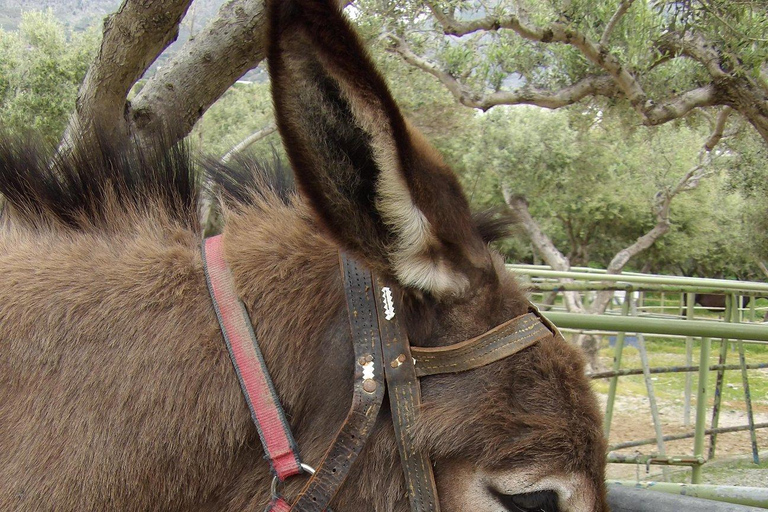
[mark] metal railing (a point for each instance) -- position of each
(674, 316)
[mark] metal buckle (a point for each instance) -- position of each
(276, 481)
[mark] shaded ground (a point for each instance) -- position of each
(732, 465)
(632, 418)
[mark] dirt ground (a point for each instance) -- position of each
(632, 421)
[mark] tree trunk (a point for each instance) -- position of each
(174, 99)
(544, 246)
(133, 38)
(554, 258)
(178, 95)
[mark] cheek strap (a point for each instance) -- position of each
(404, 364)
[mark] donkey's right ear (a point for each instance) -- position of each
(376, 184)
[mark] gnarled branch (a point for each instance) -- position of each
(230, 45)
(133, 37)
(744, 94)
(620, 12)
(553, 33)
(587, 86)
(679, 106)
(718, 130)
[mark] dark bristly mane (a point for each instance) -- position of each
(88, 185)
(245, 179)
(95, 182)
(494, 224)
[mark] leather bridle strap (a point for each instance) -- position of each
(404, 401)
(498, 343)
(404, 365)
(368, 391)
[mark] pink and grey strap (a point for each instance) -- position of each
(267, 413)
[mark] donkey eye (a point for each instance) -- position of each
(539, 501)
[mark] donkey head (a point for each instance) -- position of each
(519, 434)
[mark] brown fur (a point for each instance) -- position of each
(116, 389)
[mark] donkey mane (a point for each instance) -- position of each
(247, 180)
(106, 184)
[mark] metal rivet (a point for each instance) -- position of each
(362, 360)
(368, 358)
(394, 364)
(401, 358)
(369, 385)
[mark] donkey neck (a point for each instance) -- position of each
(287, 274)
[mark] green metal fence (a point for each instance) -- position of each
(672, 315)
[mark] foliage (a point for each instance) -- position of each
(244, 109)
(592, 185)
(41, 68)
(590, 176)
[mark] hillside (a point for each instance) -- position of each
(78, 15)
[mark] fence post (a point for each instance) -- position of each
(618, 349)
(745, 382)
(701, 409)
(649, 388)
(729, 305)
(690, 300)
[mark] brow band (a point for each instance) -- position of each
(500, 342)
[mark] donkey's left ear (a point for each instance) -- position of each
(377, 185)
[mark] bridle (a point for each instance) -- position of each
(379, 343)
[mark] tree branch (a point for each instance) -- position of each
(689, 181)
(719, 130)
(252, 138)
(679, 106)
(725, 89)
(133, 37)
(554, 33)
(180, 93)
(693, 46)
(623, 8)
(587, 86)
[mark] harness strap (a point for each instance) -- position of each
(498, 343)
(368, 391)
(278, 505)
(404, 401)
(259, 391)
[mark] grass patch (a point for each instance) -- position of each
(671, 352)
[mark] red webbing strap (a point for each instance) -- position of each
(267, 413)
(278, 505)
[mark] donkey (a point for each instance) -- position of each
(116, 388)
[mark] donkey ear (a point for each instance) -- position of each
(377, 185)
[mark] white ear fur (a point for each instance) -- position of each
(410, 257)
